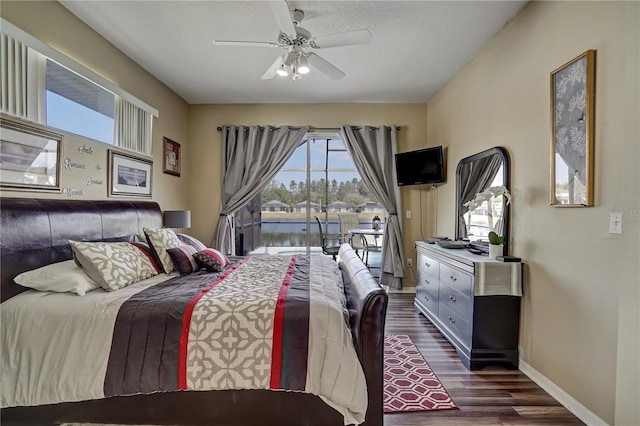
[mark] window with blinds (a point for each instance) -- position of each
(40, 89)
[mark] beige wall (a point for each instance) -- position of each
(206, 141)
(51, 23)
(580, 309)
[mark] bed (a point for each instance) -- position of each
(36, 232)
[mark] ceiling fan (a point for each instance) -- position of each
(298, 43)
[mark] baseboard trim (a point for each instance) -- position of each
(569, 402)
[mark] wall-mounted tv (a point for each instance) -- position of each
(424, 166)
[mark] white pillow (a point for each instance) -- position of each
(62, 277)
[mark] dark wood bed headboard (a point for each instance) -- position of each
(36, 232)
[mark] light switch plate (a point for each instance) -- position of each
(615, 223)
(408, 214)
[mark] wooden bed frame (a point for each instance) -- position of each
(35, 232)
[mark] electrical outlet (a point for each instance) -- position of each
(409, 262)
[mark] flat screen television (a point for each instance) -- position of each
(424, 166)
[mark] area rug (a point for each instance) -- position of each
(409, 382)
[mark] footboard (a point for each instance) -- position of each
(367, 303)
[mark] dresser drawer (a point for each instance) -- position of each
(428, 300)
(457, 323)
(429, 265)
(456, 279)
(456, 300)
(428, 282)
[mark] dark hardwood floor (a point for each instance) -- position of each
(491, 396)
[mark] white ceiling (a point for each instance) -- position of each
(417, 46)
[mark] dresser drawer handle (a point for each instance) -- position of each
(427, 298)
(427, 282)
(452, 321)
(428, 264)
(453, 278)
(453, 299)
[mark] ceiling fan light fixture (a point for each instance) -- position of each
(303, 65)
(289, 59)
(282, 71)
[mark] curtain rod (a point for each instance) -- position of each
(320, 129)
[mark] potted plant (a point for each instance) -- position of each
(496, 245)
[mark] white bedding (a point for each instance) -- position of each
(36, 368)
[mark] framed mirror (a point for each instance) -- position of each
(481, 206)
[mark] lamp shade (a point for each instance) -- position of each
(177, 218)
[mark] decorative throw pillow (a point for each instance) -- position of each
(114, 265)
(207, 262)
(61, 277)
(192, 241)
(160, 241)
(211, 259)
(183, 259)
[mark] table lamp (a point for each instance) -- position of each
(177, 219)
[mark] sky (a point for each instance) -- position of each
(73, 117)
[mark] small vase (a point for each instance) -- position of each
(495, 250)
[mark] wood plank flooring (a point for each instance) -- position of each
(491, 396)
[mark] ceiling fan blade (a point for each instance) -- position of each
(322, 65)
(244, 43)
(341, 39)
(271, 72)
(281, 12)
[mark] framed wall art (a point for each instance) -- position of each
(29, 156)
(171, 157)
(129, 175)
(572, 132)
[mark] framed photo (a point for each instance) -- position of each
(573, 132)
(29, 156)
(171, 157)
(128, 175)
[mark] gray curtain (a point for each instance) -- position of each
(251, 157)
(475, 177)
(373, 151)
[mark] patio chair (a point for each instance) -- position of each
(350, 221)
(330, 242)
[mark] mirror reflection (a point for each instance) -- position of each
(482, 196)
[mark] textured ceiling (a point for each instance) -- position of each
(417, 46)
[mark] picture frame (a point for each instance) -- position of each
(128, 175)
(573, 132)
(171, 157)
(30, 156)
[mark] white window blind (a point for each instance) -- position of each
(132, 127)
(14, 77)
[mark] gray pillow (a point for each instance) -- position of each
(113, 265)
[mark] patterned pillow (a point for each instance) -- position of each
(160, 241)
(212, 259)
(192, 241)
(207, 262)
(183, 259)
(114, 265)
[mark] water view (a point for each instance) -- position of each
(293, 232)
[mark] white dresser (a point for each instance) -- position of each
(473, 301)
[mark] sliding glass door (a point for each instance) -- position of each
(319, 180)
